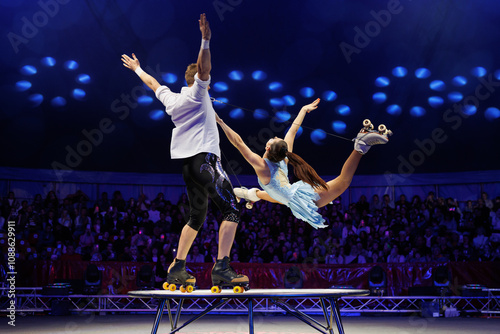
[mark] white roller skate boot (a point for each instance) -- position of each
(368, 137)
(249, 195)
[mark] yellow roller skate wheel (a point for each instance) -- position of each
(190, 288)
(165, 286)
(215, 289)
(237, 289)
(182, 289)
(172, 287)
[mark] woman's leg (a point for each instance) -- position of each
(265, 196)
(338, 185)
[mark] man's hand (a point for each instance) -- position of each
(206, 34)
(128, 62)
(310, 107)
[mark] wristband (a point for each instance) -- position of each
(139, 71)
(205, 44)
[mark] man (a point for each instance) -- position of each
(196, 140)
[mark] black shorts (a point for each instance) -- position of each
(204, 176)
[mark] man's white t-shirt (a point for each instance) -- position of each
(194, 119)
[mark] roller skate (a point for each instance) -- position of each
(367, 136)
(179, 277)
(223, 275)
(249, 195)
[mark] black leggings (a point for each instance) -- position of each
(204, 176)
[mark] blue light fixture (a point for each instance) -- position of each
(144, 100)
(435, 101)
(35, 99)
(437, 85)
(259, 75)
(260, 114)
(422, 73)
(343, 110)
(48, 61)
(478, 72)
(236, 113)
(399, 71)
(83, 78)
(459, 81)
(492, 114)
(282, 116)
(71, 65)
(417, 111)
(469, 109)
(220, 86)
(58, 101)
(497, 74)
(276, 102)
(382, 82)
(23, 85)
(275, 86)
(379, 97)
(329, 95)
(393, 109)
(455, 97)
(289, 100)
(317, 136)
(339, 126)
(28, 70)
(221, 104)
(78, 94)
(169, 78)
(307, 92)
(235, 75)
(157, 114)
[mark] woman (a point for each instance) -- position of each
(306, 196)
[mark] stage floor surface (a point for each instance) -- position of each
(238, 324)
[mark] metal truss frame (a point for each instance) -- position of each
(30, 300)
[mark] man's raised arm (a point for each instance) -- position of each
(134, 65)
(204, 62)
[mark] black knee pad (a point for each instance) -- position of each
(232, 214)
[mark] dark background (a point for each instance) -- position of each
(296, 43)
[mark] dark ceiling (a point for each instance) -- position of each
(326, 46)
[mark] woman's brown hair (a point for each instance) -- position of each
(301, 169)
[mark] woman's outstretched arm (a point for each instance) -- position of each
(290, 135)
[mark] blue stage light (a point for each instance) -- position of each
(459, 81)
(144, 100)
(58, 101)
(437, 85)
(435, 101)
(169, 78)
(497, 74)
(317, 136)
(343, 110)
(492, 113)
(78, 94)
(275, 86)
(48, 61)
(236, 113)
(23, 85)
(289, 100)
(259, 75)
(329, 95)
(307, 92)
(276, 102)
(71, 65)
(235, 75)
(478, 71)
(469, 109)
(221, 104)
(399, 71)
(393, 109)
(379, 97)
(282, 116)
(455, 96)
(422, 73)
(260, 114)
(417, 111)
(339, 126)
(220, 86)
(157, 114)
(28, 70)
(382, 82)
(36, 99)
(83, 78)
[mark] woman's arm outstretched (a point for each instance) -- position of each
(290, 135)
